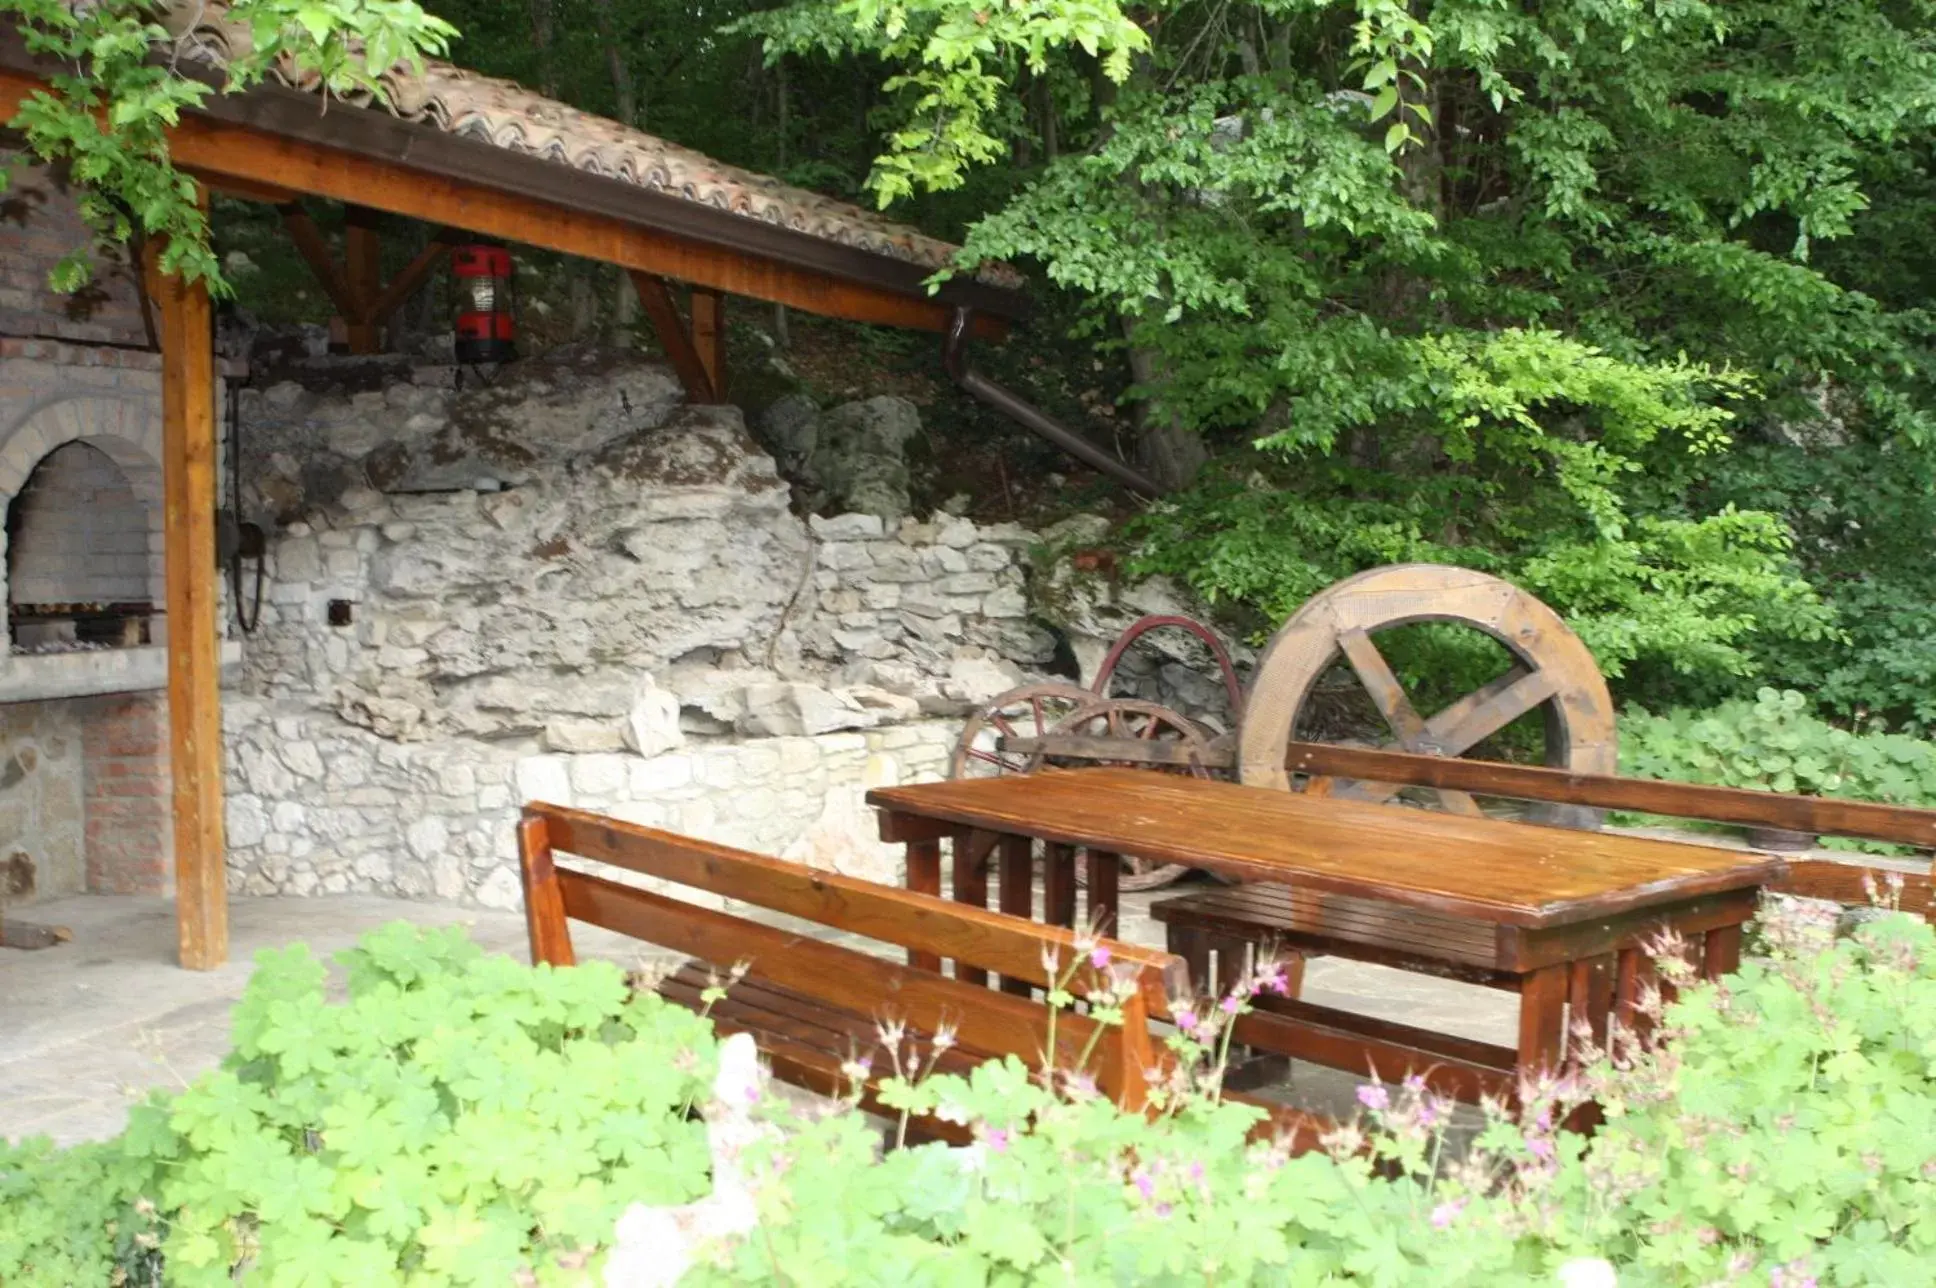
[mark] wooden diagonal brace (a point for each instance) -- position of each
(677, 339)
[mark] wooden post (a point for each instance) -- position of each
(363, 257)
(194, 655)
(709, 337)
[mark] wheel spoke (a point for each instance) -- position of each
(1387, 694)
(1485, 711)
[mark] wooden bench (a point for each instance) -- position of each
(1214, 930)
(815, 1006)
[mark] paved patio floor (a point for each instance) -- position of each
(90, 1025)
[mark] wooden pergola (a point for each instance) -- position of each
(276, 144)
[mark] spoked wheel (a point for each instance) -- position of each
(1131, 720)
(1030, 711)
(1551, 672)
(1220, 655)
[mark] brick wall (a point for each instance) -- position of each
(130, 837)
(77, 533)
(38, 225)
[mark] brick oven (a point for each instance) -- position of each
(84, 778)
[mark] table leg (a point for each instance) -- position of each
(1059, 884)
(1721, 953)
(1105, 870)
(1542, 1020)
(970, 880)
(1589, 1003)
(924, 877)
(1017, 891)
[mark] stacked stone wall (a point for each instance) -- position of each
(42, 794)
(569, 588)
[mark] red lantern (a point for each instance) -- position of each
(485, 327)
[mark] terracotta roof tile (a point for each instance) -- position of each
(506, 115)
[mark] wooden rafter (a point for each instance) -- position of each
(362, 300)
(675, 337)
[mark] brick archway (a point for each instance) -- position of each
(126, 430)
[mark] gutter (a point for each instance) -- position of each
(954, 357)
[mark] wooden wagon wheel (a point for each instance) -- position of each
(1132, 719)
(1553, 672)
(1233, 688)
(1029, 711)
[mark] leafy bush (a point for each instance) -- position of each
(459, 1117)
(1783, 1135)
(1776, 743)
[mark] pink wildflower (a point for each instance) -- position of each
(1446, 1213)
(1374, 1097)
(998, 1139)
(1099, 956)
(1231, 1004)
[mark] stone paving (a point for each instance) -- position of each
(89, 1026)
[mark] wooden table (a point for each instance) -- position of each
(1557, 915)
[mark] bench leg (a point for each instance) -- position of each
(924, 877)
(1017, 892)
(1059, 885)
(1193, 946)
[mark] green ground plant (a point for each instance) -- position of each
(464, 1119)
(1777, 743)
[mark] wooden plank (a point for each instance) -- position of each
(1721, 951)
(363, 266)
(1360, 1044)
(1522, 948)
(1824, 816)
(246, 189)
(874, 987)
(544, 905)
(1858, 884)
(968, 877)
(709, 337)
(940, 926)
(314, 248)
(1388, 695)
(1017, 896)
(1511, 873)
(227, 150)
(674, 337)
(1059, 884)
(194, 659)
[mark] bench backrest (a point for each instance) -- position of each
(1815, 815)
(984, 1019)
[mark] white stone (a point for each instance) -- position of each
(501, 890)
(659, 774)
(790, 709)
(302, 759)
(652, 726)
(598, 775)
(977, 679)
(846, 527)
(246, 824)
(544, 778)
(427, 837)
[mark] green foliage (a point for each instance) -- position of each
(460, 1118)
(76, 1216)
(1786, 1133)
(122, 88)
(1777, 743)
(463, 1119)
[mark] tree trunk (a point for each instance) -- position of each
(1168, 450)
(783, 119)
(625, 303)
(541, 40)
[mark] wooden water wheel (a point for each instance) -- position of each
(1029, 711)
(1132, 719)
(1552, 672)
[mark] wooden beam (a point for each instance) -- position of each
(314, 248)
(674, 337)
(194, 661)
(407, 281)
(363, 260)
(250, 190)
(222, 150)
(709, 337)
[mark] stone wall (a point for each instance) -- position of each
(42, 789)
(567, 586)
